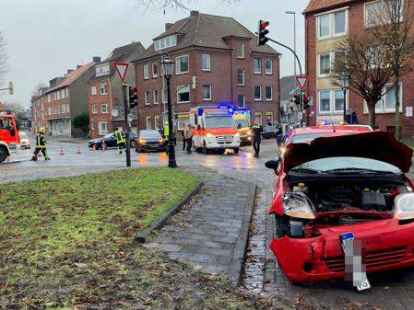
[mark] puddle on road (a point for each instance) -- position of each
(253, 277)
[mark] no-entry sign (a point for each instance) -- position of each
(122, 69)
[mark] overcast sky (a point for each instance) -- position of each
(47, 37)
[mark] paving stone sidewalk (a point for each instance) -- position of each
(207, 232)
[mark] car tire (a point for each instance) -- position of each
(236, 150)
(204, 149)
(3, 154)
(221, 151)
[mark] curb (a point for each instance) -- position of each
(240, 248)
(142, 236)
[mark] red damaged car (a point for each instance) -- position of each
(334, 187)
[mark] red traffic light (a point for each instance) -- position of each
(263, 25)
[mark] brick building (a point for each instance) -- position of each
(65, 98)
(327, 22)
(216, 60)
(106, 108)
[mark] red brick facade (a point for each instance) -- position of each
(356, 24)
(100, 107)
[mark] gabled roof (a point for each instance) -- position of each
(204, 30)
(322, 5)
(71, 77)
(132, 50)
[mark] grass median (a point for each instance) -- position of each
(68, 243)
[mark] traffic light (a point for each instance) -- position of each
(306, 104)
(297, 99)
(11, 88)
(133, 97)
(263, 31)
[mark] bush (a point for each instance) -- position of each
(81, 122)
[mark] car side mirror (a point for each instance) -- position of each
(272, 164)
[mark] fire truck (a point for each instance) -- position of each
(9, 134)
(214, 129)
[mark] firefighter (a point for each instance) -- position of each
(257, 138)
(120, 140)
(40, 145)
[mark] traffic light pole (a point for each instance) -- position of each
(127, 127)
(292, 51)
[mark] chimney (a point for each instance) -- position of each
(168, 26)
(194, 13)
(96, 59)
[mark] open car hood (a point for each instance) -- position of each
(380, 146)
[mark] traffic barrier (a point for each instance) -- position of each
(61, 152)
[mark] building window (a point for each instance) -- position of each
(103, 128)
(387, 103)
(268, 93)
(94, 109)
(94, 91)
(268, 66)
(148, 124)
(241, 100)
(103, 91)
(332, 24)
(146, 72)
(257, 68)
(58, 95)
(147, 96)
(104, 108)
(325, 101)
(154, 70)
(324, 64)
(205, 62)
(67, 92)
(155, 97)
(242, 51)
(183, 94)
(166, 42)
(206, 92)
(181, 63)
(339, 101)
(258, 117)
(241, 77)
(257, 93)
(372, 11)
(49, 98)
(157, 122)
(62, 109)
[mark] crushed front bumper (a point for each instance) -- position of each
(386, 245)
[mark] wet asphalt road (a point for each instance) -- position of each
(393, 290)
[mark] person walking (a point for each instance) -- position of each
(257, 138)
(184, 140)
(40, 145)
(120, 140)
(188, 137)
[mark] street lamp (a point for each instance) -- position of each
(168, 67)
(294, 37)
(344, 79)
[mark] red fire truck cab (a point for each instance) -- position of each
(214, 129)
(9, 134)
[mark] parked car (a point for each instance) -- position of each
(24, 141)
(150, 140)
(110, 141)
(343, 187)
(270, 131)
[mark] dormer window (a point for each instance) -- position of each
(166, 42)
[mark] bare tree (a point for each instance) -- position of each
(394, 29)
(180, 4)
(362, 59)
(3, 58)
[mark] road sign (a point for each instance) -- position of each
(122, 69)
(301, 81)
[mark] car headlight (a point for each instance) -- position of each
(404, 206)
(161, 140)
(237, 134)
(142, 141)
(210, 135)
(298, 205)
(282, 151)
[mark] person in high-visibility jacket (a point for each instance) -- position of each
(40, 145)
(120, 140)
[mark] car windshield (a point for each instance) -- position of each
(150, 134)
(241, 123)
(108, 136)
(219, 122)
(347, 164)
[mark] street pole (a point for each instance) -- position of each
(127, 127)
(344, 90)
(171, 150)
(293, 13)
